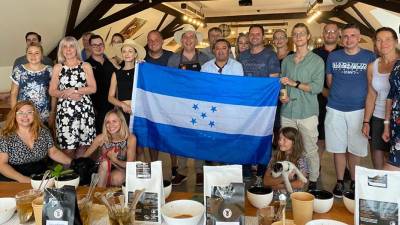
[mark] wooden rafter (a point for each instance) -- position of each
(241, 18)
(162, 21)
(123, 13)
(73, 13)
(82, 27)
(343, 15)
(359, 14)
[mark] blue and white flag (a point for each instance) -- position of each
(204, 116)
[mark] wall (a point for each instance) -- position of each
(5, 72)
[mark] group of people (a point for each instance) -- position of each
(335, 97)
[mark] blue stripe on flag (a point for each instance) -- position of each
(205, 145)
(237, 90)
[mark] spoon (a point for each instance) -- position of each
(45, 175)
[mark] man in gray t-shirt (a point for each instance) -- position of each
(259, 61)
(32, 37)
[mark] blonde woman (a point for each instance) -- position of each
(71, 83)
(117, 146)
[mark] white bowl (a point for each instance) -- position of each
(7, 209)
(46, 183)
(323, 200)
(260, 197)
(325, 222)
(167, 188)
(348, 200)
(182, 207)
(73, 182)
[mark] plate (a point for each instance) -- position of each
(325, 222)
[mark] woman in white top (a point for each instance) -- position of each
(378, 89)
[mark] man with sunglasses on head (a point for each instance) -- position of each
(103, 69)
(222, 63)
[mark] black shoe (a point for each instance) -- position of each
(338, 190)
(312, 185)
(179, 179)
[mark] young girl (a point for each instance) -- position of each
(290, 148)
(117, 147)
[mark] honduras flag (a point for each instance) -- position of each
(204, 116)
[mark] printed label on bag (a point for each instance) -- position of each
(147, 207)
(377, 212)
(378, 181)
(56, 222)
(143, 171)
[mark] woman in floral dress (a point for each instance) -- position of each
(72, 82)
(31, 82)
(392, 120)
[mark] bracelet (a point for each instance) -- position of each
(365, 122)
(297, 84)
(386, 122)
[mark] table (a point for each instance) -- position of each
(338, 211)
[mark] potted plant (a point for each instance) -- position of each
(64, 177)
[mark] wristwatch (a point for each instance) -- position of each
(297, 84)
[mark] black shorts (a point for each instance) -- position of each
(376, 131)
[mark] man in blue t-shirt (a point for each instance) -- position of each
(346, 71)
(258, 61)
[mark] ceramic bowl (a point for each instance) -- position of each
(323, 200)
(37, 179)
(323, 222)
(260, 197)
(182, 212)
(167, 188)
(348, 200)
(70, 179)
(7, 209)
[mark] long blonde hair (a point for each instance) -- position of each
(64, 42)
(123, 131)
(11, 125)
(298, 148)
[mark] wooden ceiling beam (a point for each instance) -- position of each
(123, 13)
(391, 5)
(359, 14)
(138, 1)
(262, 24)
(99, 11)
(343, 15)
(242, 18)
(162, 21)
(73, 13)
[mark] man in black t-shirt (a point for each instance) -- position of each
(102, 70)
(155, 53)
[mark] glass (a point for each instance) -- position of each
(84, 206)
(20, 113)
(266, 215)
(330, 31)
(118, 214)
(300, 34)
(24, 204)
(97, 45)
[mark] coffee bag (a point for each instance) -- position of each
(147, 176)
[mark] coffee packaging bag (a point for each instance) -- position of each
(377, 197)
(224, 195)
(147, 176)
(60, 207)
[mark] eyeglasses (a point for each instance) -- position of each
(300, 34)
(97, 45)
(280, 38)
(27, 113)
(330, 31)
